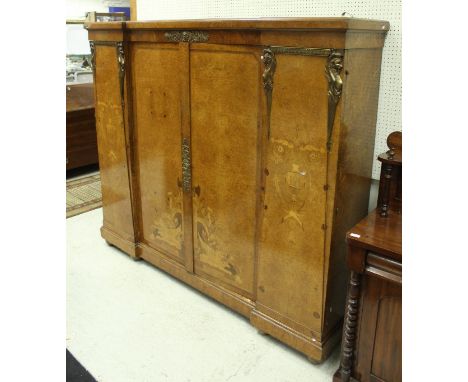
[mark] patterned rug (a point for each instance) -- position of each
(83, 195)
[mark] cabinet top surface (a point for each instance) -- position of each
(303, 23)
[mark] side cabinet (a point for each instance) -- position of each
(236, 154)
(292, 237)
(113, 146)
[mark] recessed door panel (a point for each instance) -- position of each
(157, 117)
(291, 256)
(225, 118)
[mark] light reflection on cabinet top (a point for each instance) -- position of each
(303, 23)
(319, 32)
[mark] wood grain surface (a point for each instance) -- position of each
(244, 172)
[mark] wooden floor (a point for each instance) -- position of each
(83, 194)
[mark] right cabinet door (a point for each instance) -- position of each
(291, 256)
(225, 97)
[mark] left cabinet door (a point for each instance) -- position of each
(112, 142)
(158, 76)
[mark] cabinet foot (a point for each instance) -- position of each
(314, 349)
(313, 361)
(116, 240)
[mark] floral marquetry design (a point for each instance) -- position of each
(167, 226)
(208, 247)
(292, 179)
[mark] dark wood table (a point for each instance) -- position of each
(371, 345)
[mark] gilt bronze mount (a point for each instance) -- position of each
(187, 36)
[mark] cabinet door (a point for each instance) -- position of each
(111, 136)
(225, 94)
(379, 332)
(291, 256)
(157, 80)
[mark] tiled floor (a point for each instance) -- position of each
(129, 322)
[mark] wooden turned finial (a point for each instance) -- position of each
(394, 144)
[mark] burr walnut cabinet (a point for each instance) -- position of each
(235, 154)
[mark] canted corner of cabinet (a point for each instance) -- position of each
(105, 32)
(315, 350)
(111, 25)
(129, 247)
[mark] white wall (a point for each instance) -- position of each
(389, 116)
(77, 37)
(76, 9)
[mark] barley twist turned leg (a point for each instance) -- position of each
(350, 323)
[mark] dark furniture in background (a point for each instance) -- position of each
(390, 176)
(81, 126)
(371, 346)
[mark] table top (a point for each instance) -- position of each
(381, 235)
(80, 96)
